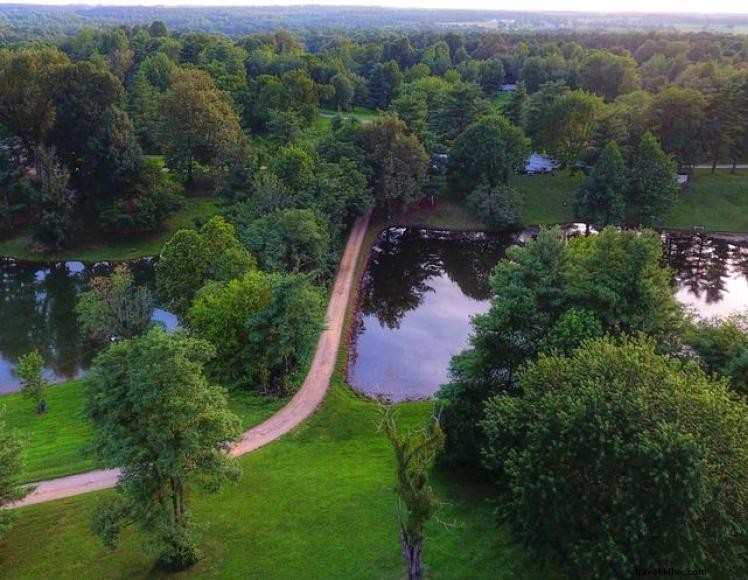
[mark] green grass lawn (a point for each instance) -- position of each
(717, 202)
(363, 114)
(115, 247)
(318, 503)
(547, 199)
(55, 441)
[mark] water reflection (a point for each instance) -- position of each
(711, 271)
(37, 310)
(422, 287)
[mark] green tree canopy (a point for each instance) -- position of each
(192, 258)
(618, 458)
(600, 200)
(488, 152)
(156, 417)
(653, 189)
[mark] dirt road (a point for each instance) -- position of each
(303, 404)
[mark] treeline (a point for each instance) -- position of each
(88, 116)
(19, 21)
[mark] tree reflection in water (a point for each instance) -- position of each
(37, 311)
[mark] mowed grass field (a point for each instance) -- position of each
(115, 248)
(716, 202)
(56, 441)
(317, 503)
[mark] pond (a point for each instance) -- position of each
(422, 286)
(37, 310)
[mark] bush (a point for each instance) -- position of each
(499, 206)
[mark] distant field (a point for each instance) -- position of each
(124, 247)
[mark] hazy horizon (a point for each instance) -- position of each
(724, 7)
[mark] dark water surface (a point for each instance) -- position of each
(37, 310)
(422, 287)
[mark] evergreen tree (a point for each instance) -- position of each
(600, 200)
(653, 189)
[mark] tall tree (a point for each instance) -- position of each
(157, 418)
(489, 151)
(397, 160)
(653, 189)
(11, 464)
(27, 82)
(677, 118)
(54, 226)
(573, 117)
(198, 123)
(416, 502)
(600, 200)
(608, 75)
(384, 83)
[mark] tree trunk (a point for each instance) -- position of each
(714, 166)
(412, 554)
(734, 165)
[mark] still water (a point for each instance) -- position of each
(422, 287)
(37, 310)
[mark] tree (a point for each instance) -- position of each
(677, 117)
(114, 308)
(528, 296)
(27, 80)
(192, 258)
(30, 370)
(157, 418)
(262, 325)
(344, 91)
(11, 464)
(488, 152)
(416, 502)
(532, 289)
(653, 189)
(499, 206)
(54, 225)
(573, 117)
(491, 76)
(455, 110)
(600, 200)
(618, 458)
(198, 123)
(608, 75)
(397, 162)
(721, 347)
(516, 110)
(86, 97)
(291, 241)
(384, 83)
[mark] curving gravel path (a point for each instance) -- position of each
(303, 403)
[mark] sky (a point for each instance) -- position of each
(698, 6)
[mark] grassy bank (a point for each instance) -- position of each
(85, 248)
(716, 202)
(55, 441)
(315, 504)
